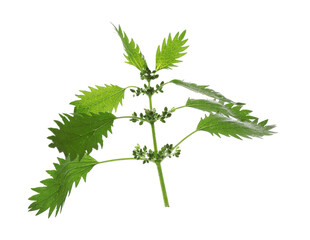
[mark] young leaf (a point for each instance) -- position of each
(134, 55)
(81, 133)
(229, 110)
(218, 124)
(100, 99)
(53, 195)
(170, 51)
(203, 89)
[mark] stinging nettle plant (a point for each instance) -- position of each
(81, 132)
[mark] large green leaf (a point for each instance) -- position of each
(81, 133)
(134, 55)
(219, 124)
(100, 99)
(171, 50)
(53, 195)
(229, 109)
(203, 89)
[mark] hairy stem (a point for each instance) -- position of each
(160, 173)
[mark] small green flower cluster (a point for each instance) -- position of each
(147, 74)
(143, 154)
(149, 155)
(152, 116)
(168, 151)
(149, 91)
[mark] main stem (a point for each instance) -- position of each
(160, 172)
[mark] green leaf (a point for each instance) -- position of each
(203, 89)
(229, 109)
(80, 133)
(134, 55)
(218, 124)
(170, 51)
(100, 99)
(53, 195)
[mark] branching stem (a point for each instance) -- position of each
(160, 173)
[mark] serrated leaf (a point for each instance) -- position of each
(203, 89)
(221, 125)
(81, 133)
(229, 109)
(53, 194)
(134, 56)
(171, 50)
(99, 99)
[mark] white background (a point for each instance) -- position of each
(255, 52)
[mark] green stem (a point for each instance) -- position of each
(162, 184)
(117, 159)
(131, 117)
(160, 172)
(179, 107)
(131, 87)
(150, 97)
(184, 139)
(154, 139)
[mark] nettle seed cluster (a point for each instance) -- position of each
(151, 116)
(149, 156)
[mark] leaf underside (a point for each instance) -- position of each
(80, 133)
(203, 89)
(55, 190)
(229, 109)
(171, 50)
(134, 56)
(221, 125)
(99, 99)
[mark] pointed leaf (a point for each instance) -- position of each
(171, 50)
(203, 89)
(229, 110)
(134, 56)
(81, 133)
(218, 124)
(53, 195)
(100, 99)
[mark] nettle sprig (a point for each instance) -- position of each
(79, 133)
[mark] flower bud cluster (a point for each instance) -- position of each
(149, 155)
(149, 91)
(152, 116)
(147, 74)
(168, 151)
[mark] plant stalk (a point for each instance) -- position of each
(184, 139)
(160, 172)
(162, 184)
(117, 159)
